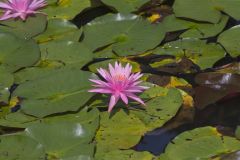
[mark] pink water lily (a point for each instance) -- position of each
(21, 8)
(120, 82)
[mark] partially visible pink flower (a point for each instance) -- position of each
(21, 8)
(120, 83)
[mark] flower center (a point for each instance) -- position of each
(120, 77)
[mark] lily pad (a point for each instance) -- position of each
(59, 29)
(124, 32)
(17, 120)
(111, 137)
(17, 53)
(194, 29)
(77, 132)
(66, 9)
(32, 73)
(160, 109)
(63, 90)
(77, 54)
(205, 10)
(230, 39)
(113, 130)
(5, 83)
(125, 6)
(202, 54)
(104, 64)
(124, 154)
(24, 148)
(33, 26)
(201, 143)
(201, 10)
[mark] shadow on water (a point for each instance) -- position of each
(157, 140)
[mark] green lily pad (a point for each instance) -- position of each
(17, 53)
(230, 39)
(123, 128)
(228, 7)
(66, 9)
(74, 140)
(63, 90)
(202, 54)
(104, 64)
(124, 32)
(69, 53)
(203, 30)
(125, 6)
(109, 137)
(201, 10)
(205, 10)
(6, 82)
(160, 109)
(59, 29)
(33, 26)
(17, 120)
(24, 148)
(32, 73)
(78, 130)
(124, 154)
(194, 29)
(200, 143)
